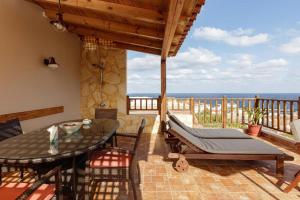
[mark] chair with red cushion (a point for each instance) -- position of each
(112, 164)
(36, 191)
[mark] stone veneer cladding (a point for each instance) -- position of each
(114, 89)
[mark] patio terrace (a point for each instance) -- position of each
(205, 179)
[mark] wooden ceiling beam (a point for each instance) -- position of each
(174, 13)
(107, 25)
(137, 48)
(135, 3)
(123, 38)
(114, 8)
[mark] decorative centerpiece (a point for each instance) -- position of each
(255, 116)
(70, 127)
(53, 139)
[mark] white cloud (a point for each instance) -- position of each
(197, 67)
(198, 56)
(238, 37)
(241, 60)
(274, 63)
(292, 47)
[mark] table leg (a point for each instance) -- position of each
(115, 135)
(74, 178)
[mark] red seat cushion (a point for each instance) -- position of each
(10, 191)
(107, 159)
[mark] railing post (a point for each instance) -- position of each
(224, 112)
(192, 108)
(256, 101)
(298, 108)
(128, 104)
(159, 104)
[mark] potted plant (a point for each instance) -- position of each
(254, 116)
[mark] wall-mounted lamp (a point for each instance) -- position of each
(51, 63)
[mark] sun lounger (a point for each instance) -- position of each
(185, 145)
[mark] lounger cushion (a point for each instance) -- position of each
(218, 133)
(212, 133)
(295, 128)
(226, 146)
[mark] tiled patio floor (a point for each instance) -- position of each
(205, 180)
(211, 179)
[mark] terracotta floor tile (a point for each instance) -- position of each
(205, 179)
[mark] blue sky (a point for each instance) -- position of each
(234, 46)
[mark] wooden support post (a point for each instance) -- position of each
(278, 114)
(284, 116)
(163, 100)
(224, 112)
(272, 113)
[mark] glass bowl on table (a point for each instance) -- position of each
(70, 127)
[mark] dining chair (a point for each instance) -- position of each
(103, 113)
(39, 190)
(113, 164)
(8, 129)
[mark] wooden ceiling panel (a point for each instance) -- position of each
(138, 48)
(117, 9)
(140, 25)
(107, 25)
(116, 37)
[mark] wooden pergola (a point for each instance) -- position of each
(150, 26)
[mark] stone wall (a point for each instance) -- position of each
(114, 88)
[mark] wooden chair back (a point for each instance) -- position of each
(106, 113)
(10, 129)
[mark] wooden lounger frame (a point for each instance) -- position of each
(182, 149)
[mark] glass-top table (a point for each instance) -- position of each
(34, 147)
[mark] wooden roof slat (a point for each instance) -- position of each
(138, 48)
(107, 25)
(135, 3)
(117, 37)
(196, 9)
(174, 12)
(118, 9)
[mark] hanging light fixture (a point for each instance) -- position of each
(51, 63)
(58, 23)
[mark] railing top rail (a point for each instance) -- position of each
(143, 97)
(179, 98)
(241, 98)
(271, 99)
(205, 98)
